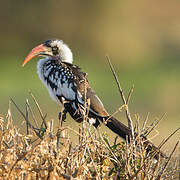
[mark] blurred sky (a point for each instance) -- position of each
(141, 37)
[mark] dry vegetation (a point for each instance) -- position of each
(47, 152)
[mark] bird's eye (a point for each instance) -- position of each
(55, 50)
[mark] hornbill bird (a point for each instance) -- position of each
(69, 86)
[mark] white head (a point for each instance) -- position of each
(55, 49)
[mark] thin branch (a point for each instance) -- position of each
(27, 115)
(58, 138)
(36, 130)
(106, 143)
(31, 111)
(130, 124)
(164, 141)
(18, 108)
(153, 125)
(51, 127)
(161, 172)
(130, 93)
(145, 122)
(117, 81)
(39, 109)
(44, 122)
(30, 125)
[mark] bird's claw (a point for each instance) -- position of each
(63, 116)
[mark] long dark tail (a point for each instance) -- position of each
(119, 128)
(124, 132)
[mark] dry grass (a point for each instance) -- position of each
(46, 152)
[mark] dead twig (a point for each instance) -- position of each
(153, 125)
(165, 140)
(145, 122)
(130, 93)
(161, 172)
(36, 130)
(18, 109)
(32, 113)
(130, 124)
(39, 109)
(27, 115)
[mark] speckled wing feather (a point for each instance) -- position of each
(83, 87)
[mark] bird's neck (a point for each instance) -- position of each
(48, 60)
(48, 63)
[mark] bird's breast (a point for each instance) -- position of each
(58, 79)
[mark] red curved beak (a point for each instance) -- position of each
(34, 53)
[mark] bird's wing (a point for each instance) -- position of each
(83, 87)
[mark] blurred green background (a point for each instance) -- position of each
(142, 39)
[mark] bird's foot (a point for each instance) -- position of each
(62, 116)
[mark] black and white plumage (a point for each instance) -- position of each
(67, 84)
